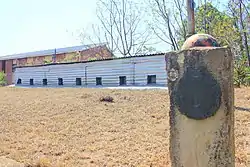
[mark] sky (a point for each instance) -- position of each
(33, 25)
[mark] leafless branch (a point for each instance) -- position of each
(121, 22)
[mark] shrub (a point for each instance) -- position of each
(3, 80)
(241, 72)
(107, 99)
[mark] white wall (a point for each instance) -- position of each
(109, 70)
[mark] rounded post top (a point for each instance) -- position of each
(200, 40)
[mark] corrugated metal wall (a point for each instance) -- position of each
(136, 70)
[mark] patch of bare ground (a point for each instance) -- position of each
(76, 127)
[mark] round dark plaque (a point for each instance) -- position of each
(198, 94)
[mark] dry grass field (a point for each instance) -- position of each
(71, 127)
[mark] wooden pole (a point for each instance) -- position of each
(200, 82)
(190, 17)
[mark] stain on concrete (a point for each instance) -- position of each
(198, 94)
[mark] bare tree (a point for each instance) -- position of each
(243, 26)
(121, 27)
(93, 37)
(169, 21)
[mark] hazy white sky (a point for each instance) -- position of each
(32, 25)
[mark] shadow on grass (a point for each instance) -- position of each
(242, 108)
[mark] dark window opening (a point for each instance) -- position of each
(19, 81)
(45, 81)
(3, 65)
(60, 81)
(31, 81)
(151, 79)
(122, 80)
(98, 80)
(78, 81)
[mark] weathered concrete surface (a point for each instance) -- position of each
(6, 162)
(202, 134)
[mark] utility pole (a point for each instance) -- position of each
(201, 93)
(190, 18)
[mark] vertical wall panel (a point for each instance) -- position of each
(1, 63)
(8, 71)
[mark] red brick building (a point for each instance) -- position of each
(60, 55)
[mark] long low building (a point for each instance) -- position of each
(9, 63)
(136, 70)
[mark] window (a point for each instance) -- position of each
(151, 79)
(45, 81)
(60, 81)
(98, 80)
(19, 81)
(78, 81)
(31, 81)
(3, 65)
(122, 80)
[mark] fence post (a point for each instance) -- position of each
(200, 82)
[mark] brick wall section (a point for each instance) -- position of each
(60, 57)
(100, 52)
(0, 65)
(8, 69)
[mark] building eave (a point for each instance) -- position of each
(50, 52)
(97, 60)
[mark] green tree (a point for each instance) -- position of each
(218, 24)
(208, 19)
(241, 71)
(3, 80)
(239, 11)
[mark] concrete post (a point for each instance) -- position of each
(200, 82)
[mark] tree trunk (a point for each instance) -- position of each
(244, 33)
